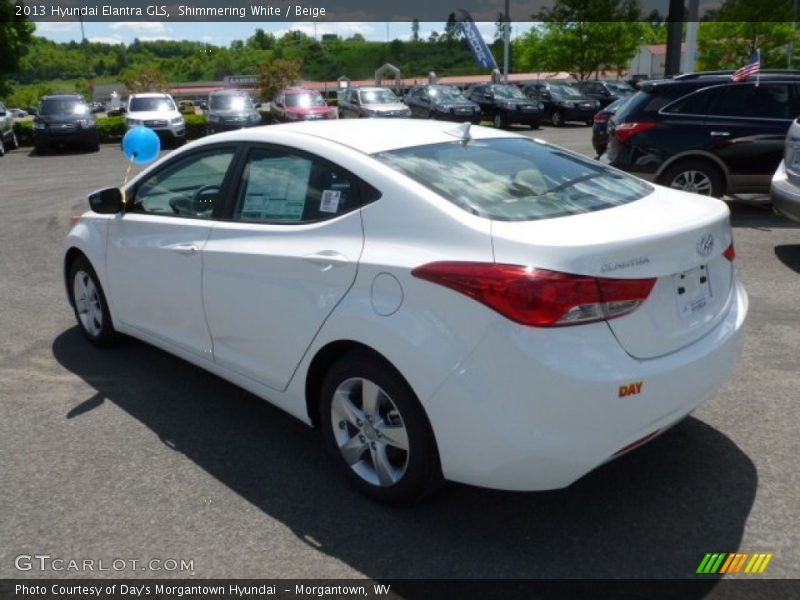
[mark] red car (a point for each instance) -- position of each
(298, 104)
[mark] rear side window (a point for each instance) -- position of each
(647, 104)
(767, 101)
(694, 104)
(514, 179)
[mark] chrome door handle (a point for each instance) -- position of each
(186, 249)
(720, 134)
(327, 259)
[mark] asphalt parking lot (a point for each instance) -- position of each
(131, 453)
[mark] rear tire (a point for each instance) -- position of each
(500, 121)
(14, 144)
(697, 176)
(89, 304)
(377, 430)
(2, 146)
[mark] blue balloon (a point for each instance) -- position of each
(141, 145)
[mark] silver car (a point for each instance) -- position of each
(785, 189)
(364, 102)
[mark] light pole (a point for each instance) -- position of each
(507, 42)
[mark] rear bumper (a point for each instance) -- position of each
(551, 409)
(526, 118)
(785, 195)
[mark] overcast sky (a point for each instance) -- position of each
(222, 33)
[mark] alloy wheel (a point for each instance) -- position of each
(369, 432)
(693, 181)
(87, 303)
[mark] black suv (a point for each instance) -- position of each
(562, 101)
(604, 91)
(442, 102)
(705, 133)
(505, 104)
(64, 119)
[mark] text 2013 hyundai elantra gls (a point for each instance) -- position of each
(443, 302)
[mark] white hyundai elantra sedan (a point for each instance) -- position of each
(442, 302)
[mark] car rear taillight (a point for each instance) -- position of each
(601, 117)
(730, 253)
(539, 297)
(625, 131)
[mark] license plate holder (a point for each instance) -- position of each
(693, 291)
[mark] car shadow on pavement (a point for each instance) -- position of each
(651, 514)
(758, 215)
(789, 255)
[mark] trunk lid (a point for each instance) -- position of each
(673, 236)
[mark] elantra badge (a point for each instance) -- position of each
(705, 245)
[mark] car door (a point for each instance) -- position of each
(153, 258)
(747, 128)
(276, 269)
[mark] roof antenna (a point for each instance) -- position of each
(461, 132)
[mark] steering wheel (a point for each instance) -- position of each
(203, 206)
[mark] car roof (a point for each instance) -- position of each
(63, 97)
(359, 134)
(373, 88)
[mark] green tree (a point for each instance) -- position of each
(583, 36)
(452, 30)
(738, 27)
(15, 33)
(274, 75)
(145, 78)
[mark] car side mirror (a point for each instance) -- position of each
(106, 202)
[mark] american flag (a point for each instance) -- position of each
(751, 68)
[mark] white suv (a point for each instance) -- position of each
(159, 113)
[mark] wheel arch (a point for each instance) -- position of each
(697, 154)
(322, 362)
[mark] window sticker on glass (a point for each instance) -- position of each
(330, 201)
(277, 187)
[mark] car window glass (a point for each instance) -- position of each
(693, 104)
(768, 100)
(280, 187)
(515, 179)
(190, 187)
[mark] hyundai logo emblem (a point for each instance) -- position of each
(705, 245)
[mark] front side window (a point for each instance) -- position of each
(512, 179)
(282, 187)
(508, 91)
(190, 187)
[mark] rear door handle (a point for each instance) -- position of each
(327, 259)
(720, 134)
(186, 249)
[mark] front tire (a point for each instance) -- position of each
(376, 428)
(14, 144)
(557, 119)
(89, 304)
(500, 121)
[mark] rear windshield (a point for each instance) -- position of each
(57, 106)
(152, 104)
(513, 179)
